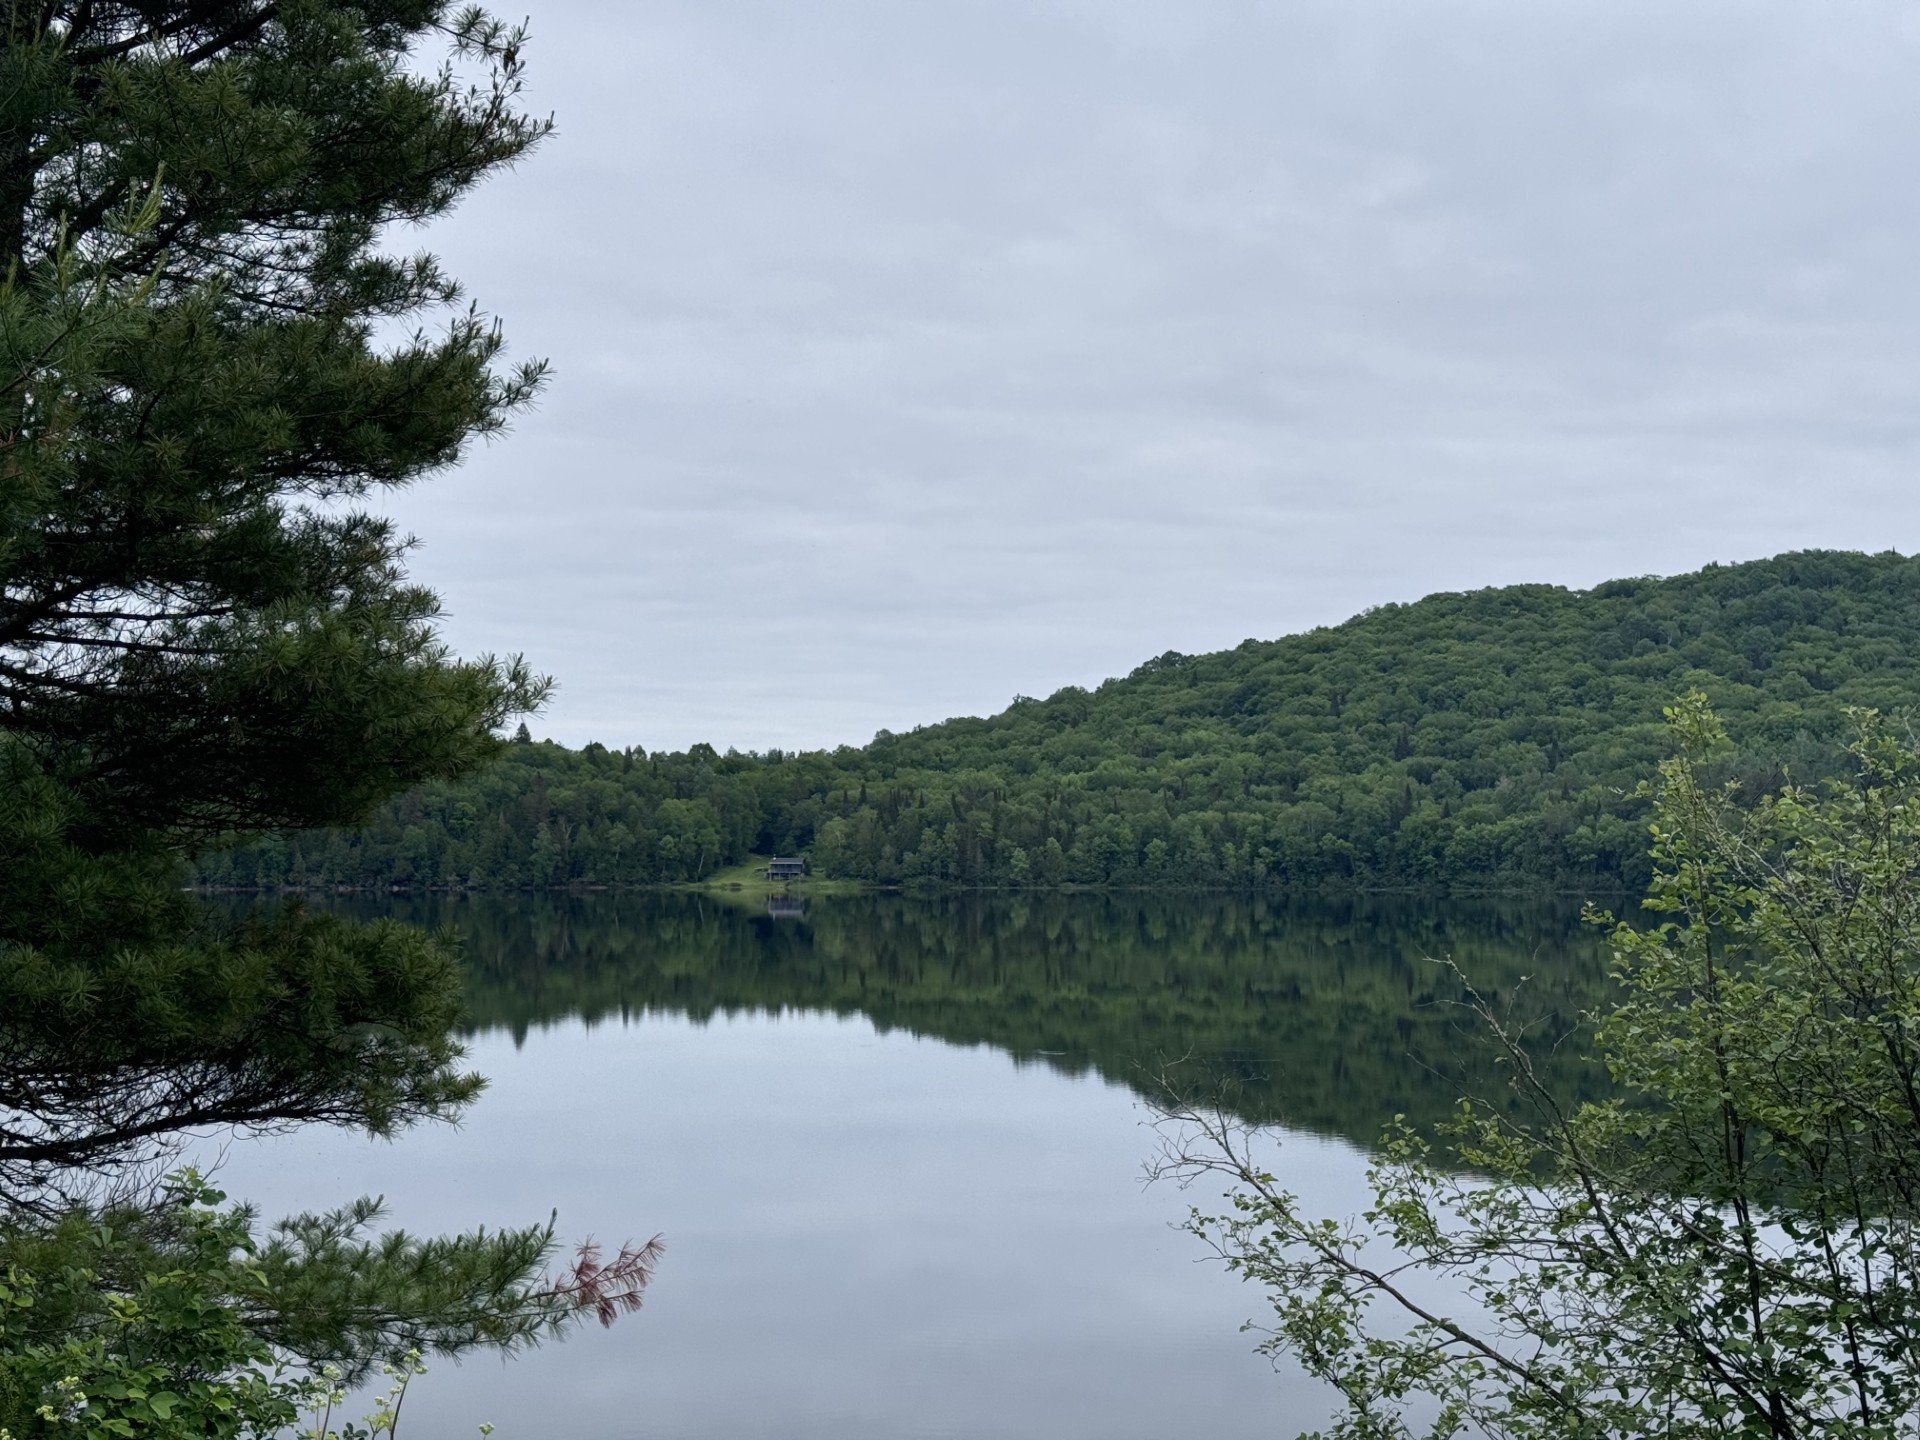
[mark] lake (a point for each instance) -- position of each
(896, 1146)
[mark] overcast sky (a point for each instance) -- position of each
(911, 356)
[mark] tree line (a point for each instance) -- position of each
(1488, 740)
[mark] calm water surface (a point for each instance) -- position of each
(896, 1147)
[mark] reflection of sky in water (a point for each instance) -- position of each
(867, 1235)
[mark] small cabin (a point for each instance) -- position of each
(786, 867)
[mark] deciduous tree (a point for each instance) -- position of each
(1726, 1248)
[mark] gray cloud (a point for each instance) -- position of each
(908, 357)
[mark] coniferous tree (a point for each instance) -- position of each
(203, 633)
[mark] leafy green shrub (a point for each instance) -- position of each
(1729, 1246)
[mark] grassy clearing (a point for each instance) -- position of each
(749, 878)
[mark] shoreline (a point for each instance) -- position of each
(823, 888)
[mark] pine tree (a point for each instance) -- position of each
(203, 633)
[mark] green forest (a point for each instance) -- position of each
(1490, 740)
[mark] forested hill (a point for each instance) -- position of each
(1480, 740)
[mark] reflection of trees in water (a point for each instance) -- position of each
(1329, 1015)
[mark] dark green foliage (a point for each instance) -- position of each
(542, 815)
(1324, 1013)
(200, 635)
(193, 636)
(1483, 740)
(207, 366)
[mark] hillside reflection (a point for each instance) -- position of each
(1330, 1016)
